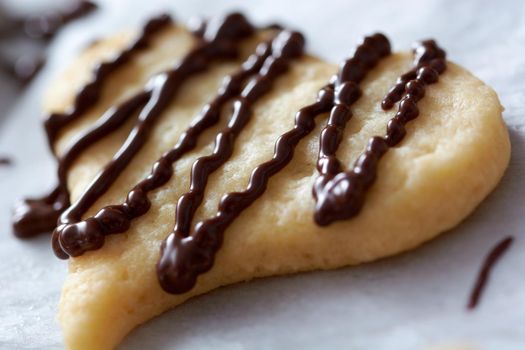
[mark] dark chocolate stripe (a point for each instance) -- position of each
(340, 194)
(347, 92)
(284, 47)
(425, 53)
(35, 216)
(488, 264)
(221, 41)
(115, 218)
(90, 94)
(184, 257)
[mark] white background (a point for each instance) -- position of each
(409, 302)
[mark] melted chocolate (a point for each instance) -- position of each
(184, 256)
(340, 194)
(89, 95)
(162, 170)
(285, 46)
(34, 216)
(73, 237)
(425, 53)
(488, 264)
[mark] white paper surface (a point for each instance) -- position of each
(412, 301)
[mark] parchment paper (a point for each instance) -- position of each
(413, 301)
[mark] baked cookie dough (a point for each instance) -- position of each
(452, 156)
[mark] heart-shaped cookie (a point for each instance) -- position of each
(195, 159)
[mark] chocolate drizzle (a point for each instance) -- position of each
(187, 253)
(73, 237)
(340, 194)
(90, 93)
(285, 46)
(488, 264)
(34, 216)
(426, 53)
(162, 171)
(185, 256)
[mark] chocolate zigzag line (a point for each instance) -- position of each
(184, 258)
(73, 236)
(339, 194)
(286, 46)
(34, 216)
(90, 93)
(115, 218)
(425, 53)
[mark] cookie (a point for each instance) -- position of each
(223, 154)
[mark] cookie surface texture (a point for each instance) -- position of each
(452, 156)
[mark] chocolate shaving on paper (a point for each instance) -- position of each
(495, 254)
